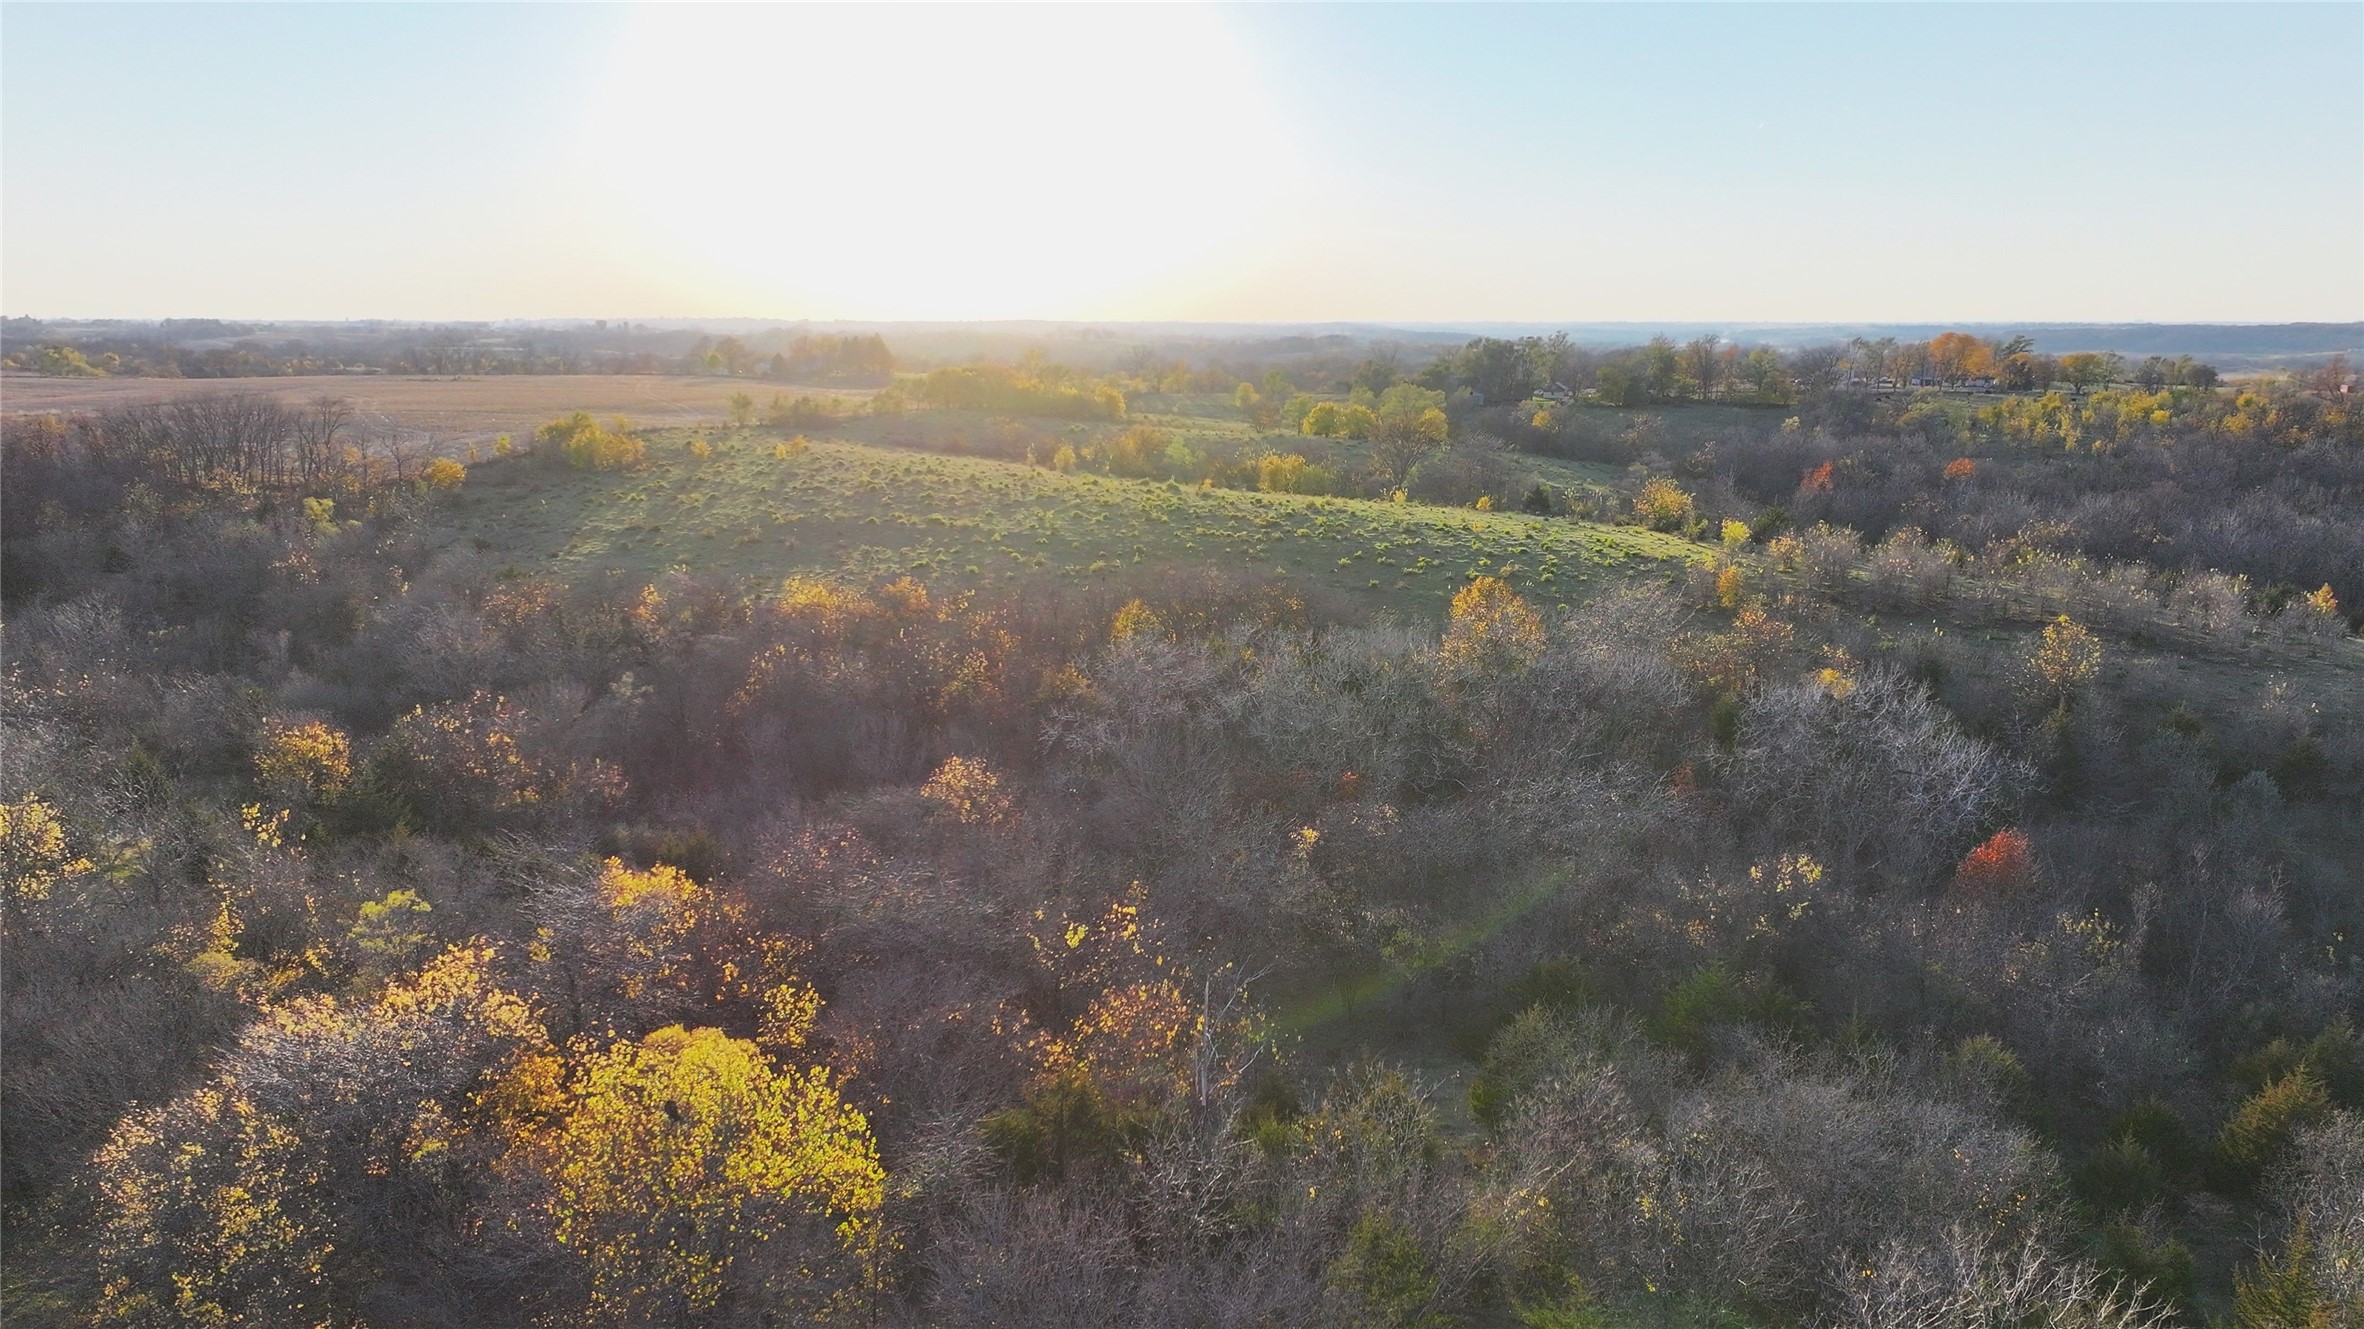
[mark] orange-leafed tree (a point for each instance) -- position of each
(1956, 356)
(2001, 863)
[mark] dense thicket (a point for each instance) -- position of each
(391, 938)
(2262, 484)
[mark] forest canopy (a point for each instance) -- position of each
(1930, 899)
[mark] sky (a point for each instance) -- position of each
(1761, 162)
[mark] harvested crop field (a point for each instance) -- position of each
(457, 411)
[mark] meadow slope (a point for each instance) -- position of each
(872, 513)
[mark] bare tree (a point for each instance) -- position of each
(317, 430)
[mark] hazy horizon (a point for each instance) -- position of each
(1750, 164)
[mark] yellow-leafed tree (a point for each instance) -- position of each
(1491, 626)
(690, 1176)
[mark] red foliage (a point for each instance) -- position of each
(2003, 863)
(1960, 468)
(1816, 480)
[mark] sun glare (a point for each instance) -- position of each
(939, 162)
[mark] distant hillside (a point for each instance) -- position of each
(2194, 339)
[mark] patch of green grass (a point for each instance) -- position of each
(872, 512)
(1681, 426)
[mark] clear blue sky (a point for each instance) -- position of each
(1650, 162)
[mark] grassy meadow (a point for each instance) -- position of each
(870, 511)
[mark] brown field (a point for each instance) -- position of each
(455, 411)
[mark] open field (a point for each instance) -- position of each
(1211, 428)
(873, 512)
(457, 411)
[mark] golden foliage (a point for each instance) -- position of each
(826, 606)
(34, 856)
(1728, 586)
(1136, 619)
(302, 760)
(218, 1207)
(1283, 473)
(658, 909)
(388, 930)
(1662, 505)
(686, 1167)
(470, 750)
(1732, 661)
(1130, 1039)
(201, 1233)
(589, 445)
(1491, 626)
(968, 791)
(2067, 657)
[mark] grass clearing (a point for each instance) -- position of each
(872, 512)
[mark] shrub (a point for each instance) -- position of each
(1461, 474)
(2320, 1193)
(1713, 997)
(1663, 506)
(391, 931)
(328, 1134)
(1065, 1124)
(801, 412)
(34, 855)
(1139, 451)
(588, 445)
(1386, 1276)
(300, 761)
(459, 764)
(2336, 1056)
(2066, 658)
(1290, 473)
(1981, 1067)
(1134, 619)
(966, 790)
(1491, 626)
(1538, 1043)
(1728, 586)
